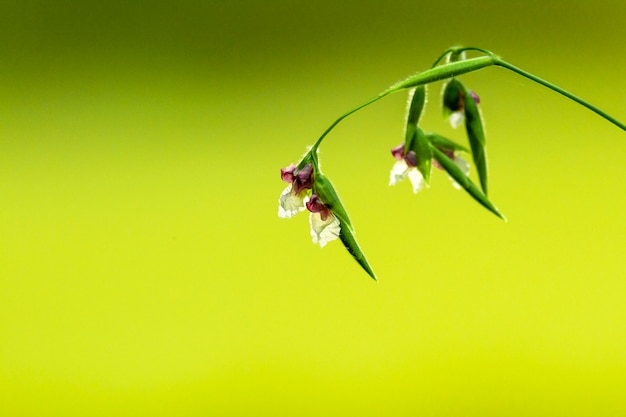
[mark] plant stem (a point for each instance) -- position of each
(453, 69)
(421, 78)
(501, 63)
(336, 122)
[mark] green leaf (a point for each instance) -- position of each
(416, 106)
(326, 192)
(409, 137)
(418, 99)
(444, 144)
(347, 238)
(442, 72)
(464, 181)
(421, 147)
(476, 136)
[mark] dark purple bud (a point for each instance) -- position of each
(304, 179)
(411, 159)
(315, 205)
(475, 97)
(287, 174)
(398, 152)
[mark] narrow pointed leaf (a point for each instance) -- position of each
(416, 105)
(347, 238)
(442, 72)
(464, 181)
(476, 136)
(410, 137)
(444, 144)
(326, 192)
(417, 99)
(421, 147)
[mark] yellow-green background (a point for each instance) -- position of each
(143, 269)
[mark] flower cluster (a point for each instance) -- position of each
(406, 166)
(298, 195)
(423, 150)
(309, 189)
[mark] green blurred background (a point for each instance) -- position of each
(143, 269)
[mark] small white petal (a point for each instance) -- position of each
(398, 172)
(456, 119)
(290, 204)
(417, 180)
(323, 231)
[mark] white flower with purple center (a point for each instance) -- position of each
(325, 226)
(294, 197)
(406, 166)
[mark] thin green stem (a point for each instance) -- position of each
(434, 74)
(442, 56)
(501, 63)
(336, 122)
(460, 49)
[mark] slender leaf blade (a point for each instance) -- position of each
(421, 147)
(444, 144)
(476, 135)
(347, 238)
(464, 181)
(326, 192)
(416, 105)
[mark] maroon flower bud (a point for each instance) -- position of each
(398, 152)
(315, 205)
(287, 174)
(475, 97)
(304, 179)
(411, 159)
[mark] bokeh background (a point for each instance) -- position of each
(143, 269)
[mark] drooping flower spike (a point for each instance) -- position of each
(309, 189)
(324, 225)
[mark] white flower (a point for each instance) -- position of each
(324, 231)
(456, 118)
(401, 170)
(290, 203)
(325, 225)
(294, 197)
